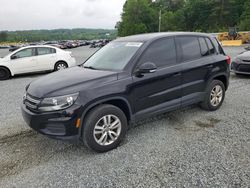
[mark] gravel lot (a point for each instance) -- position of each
(184, 148)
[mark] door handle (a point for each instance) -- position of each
(210, 66)
(177, 74)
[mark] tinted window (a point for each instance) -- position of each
(210, 46)
(218, 46)
(25, 53)
(162, 53)
(44, 51)
(190, 48)
(204, 48)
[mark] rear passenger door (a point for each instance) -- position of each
(196, 56)
(46, 58)
(162, 89)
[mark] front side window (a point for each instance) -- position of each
(29, 52)
(190, 48)
(114, 56)
(161, 52)
(45, 51)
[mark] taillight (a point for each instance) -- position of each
(228, 60)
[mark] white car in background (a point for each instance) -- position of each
(35, 59)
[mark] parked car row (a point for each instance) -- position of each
(66, 44)
(99, 43)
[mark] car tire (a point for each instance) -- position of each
(104, 128)
(60, 66)
(214, 96)
(4, 73)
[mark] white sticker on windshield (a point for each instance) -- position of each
(134, 44)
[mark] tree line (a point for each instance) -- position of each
(57, 34)
(142, 16)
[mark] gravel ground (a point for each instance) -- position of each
(184, 148)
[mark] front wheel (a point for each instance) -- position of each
(214, 96)
(104, 128)
(4, 73)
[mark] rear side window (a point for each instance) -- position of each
(161, 52)
(203, 45)
(190, 48)
(210, 46)
(45, 51)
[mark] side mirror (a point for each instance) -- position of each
(247, 48)
(13, 57)
(146, 68)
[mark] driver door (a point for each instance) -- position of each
(23, 61)
(161, 90)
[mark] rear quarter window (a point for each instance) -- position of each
(217, 45)
(204, 47)
(210, 46)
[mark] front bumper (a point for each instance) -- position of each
(58, 124)
(240, 68)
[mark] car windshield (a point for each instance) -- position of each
(113, 56)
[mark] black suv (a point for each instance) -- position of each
(129, 79)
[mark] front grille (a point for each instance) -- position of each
(246, 61)
(31, 102)
(244, 68)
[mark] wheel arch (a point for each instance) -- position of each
(120, 102)
(11, 73)
(61, 61)
(223, 78)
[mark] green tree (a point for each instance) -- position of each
(244, 24)
(173, 21)
(3, 36)
(138, 17)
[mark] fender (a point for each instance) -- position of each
(220, 74)
(90, 105)
(11, 73)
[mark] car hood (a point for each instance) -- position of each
(245, 56)
(69, 81)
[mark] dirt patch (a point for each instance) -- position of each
(210, 123)
(24, 160)
(17, 136)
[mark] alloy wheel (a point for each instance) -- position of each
(61, 66)
(107, 130)
(216, 96)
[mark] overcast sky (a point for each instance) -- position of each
(53, 14)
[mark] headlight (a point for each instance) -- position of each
(237, 60)
(57, 103)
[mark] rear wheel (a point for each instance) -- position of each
(104, 128)
(214, 96)
(61, 66)
(4, 73)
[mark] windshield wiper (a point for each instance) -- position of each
(89, 67)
